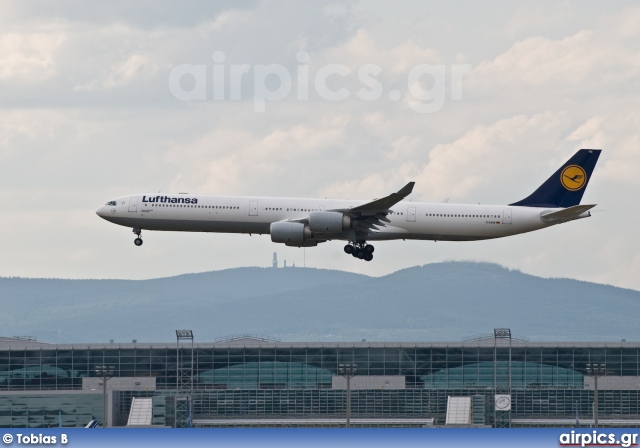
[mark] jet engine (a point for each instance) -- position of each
(328, 222)
(290, 233)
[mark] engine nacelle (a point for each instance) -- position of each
(328, 222)
(290, 233)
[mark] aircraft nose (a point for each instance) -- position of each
(99, 211)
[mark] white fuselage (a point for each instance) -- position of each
(247, 214)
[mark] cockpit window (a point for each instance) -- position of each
(111, 203)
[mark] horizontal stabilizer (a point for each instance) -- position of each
(574, 212)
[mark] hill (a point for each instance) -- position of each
(443, 301)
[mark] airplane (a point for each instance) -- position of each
(301, 222)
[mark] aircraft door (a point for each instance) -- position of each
(411, 214)
(133, 204)
(253, 209)
(506, 216)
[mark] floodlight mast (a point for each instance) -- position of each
(348, 371)
(184, 380)
(596, 370)
(184, 376)
(505, 334)
(106, 373)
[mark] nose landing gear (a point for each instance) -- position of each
(138, 232)
(360, 250)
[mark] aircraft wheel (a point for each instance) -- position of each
(354, 254)
(360, 254)
(348, 249)
(369, 248)
(138, 241)
(368, 256)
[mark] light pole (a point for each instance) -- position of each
(184, 381)
(595, 370)
(106, 373)
(348, 371)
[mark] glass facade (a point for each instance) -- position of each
(524, 375)
(266, 375)
(265, 378)
(49, 410)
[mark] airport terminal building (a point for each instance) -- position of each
(492, 380)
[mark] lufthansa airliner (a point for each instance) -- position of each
(302, 222)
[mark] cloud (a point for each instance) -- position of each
(622, 24)
(584, 62)
(364, 49)
(538, 60)
(136, 67)
(484, 159)
(620, 136)
(144, 14)
(87, 115)
(590, 130)
(229, 161)
(539, 18)
(28, 56)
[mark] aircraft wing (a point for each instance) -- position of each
(379, 205)
(373, 215)
(567, 213)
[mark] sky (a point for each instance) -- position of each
(477, 102)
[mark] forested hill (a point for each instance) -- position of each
(443, 301)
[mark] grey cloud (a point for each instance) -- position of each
(144, 13)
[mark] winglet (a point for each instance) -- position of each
(406, 190)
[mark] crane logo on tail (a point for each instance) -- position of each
(573, 177)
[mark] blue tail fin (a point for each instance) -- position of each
(567, 185)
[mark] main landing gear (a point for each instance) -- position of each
(362, 250)
(137, 241)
